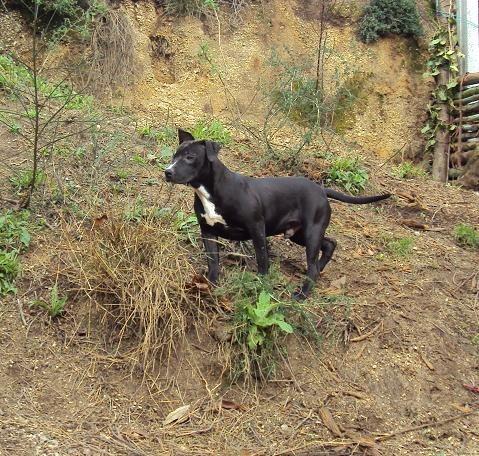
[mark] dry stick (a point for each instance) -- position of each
(393, 155)
(20, 311)
(367, 335)
(426, 425)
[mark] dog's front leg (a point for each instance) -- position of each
(258, 235)
(210, 241)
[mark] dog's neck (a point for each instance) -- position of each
(210, 177)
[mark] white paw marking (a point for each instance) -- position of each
(210, 215)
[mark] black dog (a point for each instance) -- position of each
(237, 207)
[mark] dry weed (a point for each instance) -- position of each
(112, 60)
(137, 275)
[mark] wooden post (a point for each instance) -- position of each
(440, 164)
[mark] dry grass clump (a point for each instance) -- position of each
(112, 60)
(137, 275)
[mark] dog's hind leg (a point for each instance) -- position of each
(327, 248)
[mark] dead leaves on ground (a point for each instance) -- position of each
(178, 416)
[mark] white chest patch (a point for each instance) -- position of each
(210, 215)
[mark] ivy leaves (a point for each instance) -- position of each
(444, 53)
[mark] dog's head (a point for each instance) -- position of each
(190, 159)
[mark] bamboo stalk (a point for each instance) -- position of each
(474, 118)
(469, 79)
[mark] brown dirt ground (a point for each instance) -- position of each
(62, 392)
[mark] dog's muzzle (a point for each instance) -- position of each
(168, 175)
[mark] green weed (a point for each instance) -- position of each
(185, 224)
(401, 247)
(122, 175)
(301, 98)
(14, 238)
(55, 306)
(263, 315)
(347, 173)
(163, 135)
(9, 268)
(14, 234)
(22, 180)
(14, 76)
(466, 235)
(260, 318)
(135, 212)
(15, 128)
(190, 7)
(212, 130)
(407, 170)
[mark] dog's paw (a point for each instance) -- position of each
(299, 296)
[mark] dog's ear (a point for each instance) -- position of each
(212, 150)
(184, 136)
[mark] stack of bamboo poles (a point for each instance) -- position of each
(465, 141)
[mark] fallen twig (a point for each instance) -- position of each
(367, 335)
(20, 311)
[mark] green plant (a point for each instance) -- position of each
(9, 268)
(14, 238)
(55, 306)
(185, 225)
(407, 170)
(466, 235)
(135, 212)
(260, 319)
(309, 103)
(348, 173)
(401, 247)
(122, 174)
(14, 234)
(21, 180)
(254, 347)
(15, 128)
(190, 7)
(384, 17)
(213, 130)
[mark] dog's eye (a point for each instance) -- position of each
(190, 157)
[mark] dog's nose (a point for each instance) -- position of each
(168, 174)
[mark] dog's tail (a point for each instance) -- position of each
(333, 194)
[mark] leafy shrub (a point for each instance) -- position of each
(407, 170)
(347, 173)
(213, 130)
(300, 97)
(466, 235)
(65, 16)
(383, 17)
(261, 318)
